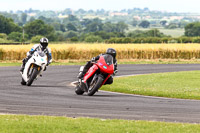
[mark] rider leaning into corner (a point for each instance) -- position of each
(109, 51)
(43, 46)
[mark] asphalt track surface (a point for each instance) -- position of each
(53, 95)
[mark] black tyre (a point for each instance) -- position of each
(33, 75)
(23, 82)
(95, 86)
(78, 90)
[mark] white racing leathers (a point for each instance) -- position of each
(38, 47)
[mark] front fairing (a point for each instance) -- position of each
(40, 59)
(90, 72)
(105, 63)
(36, 59)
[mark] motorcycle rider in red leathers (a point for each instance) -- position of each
(109, 51)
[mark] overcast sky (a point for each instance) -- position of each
(163, 5)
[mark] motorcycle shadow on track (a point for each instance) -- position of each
(105, 95)
(48, 86)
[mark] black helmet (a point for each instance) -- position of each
(44, 42)
(111, 51)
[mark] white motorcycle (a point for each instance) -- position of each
(34, 67)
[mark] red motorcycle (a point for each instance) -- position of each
(96, 76)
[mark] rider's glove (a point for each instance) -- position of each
(48, 63)
(115, 72)
(93, 60)
(45, 68)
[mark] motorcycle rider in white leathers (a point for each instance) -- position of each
(43, 46)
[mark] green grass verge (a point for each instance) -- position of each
(9, 64)
(161, 62)
(49, 124)
(184, 85)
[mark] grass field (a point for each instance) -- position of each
(171, 32)
(124, 51)
(49, 124)
(183, 85)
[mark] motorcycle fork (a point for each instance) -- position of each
(38, 67)
(93, 79)
(84, 85)
(30, 68)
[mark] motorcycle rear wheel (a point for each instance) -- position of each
(78, 90)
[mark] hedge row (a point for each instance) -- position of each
(154, 40)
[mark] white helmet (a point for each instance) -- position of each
(44, 42)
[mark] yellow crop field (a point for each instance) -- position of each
(124, 51)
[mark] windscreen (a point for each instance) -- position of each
(42, 54)
(108, 59)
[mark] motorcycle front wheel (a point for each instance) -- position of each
(23, 82)
(95, 86)
(32, 76)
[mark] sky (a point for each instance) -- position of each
(192, 6)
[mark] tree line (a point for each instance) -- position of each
(72, 29)
(132, 17)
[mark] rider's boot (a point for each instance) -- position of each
(24, 63)
(85, 69)
(81, 75)
(22, 67)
